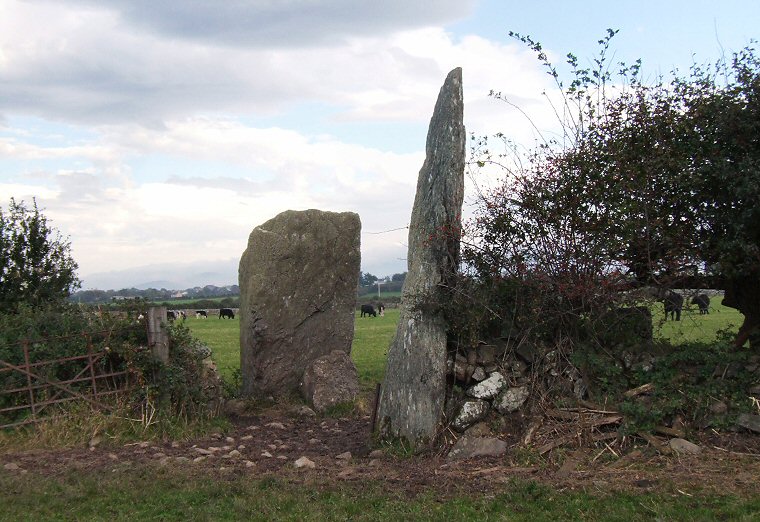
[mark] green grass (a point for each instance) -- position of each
(171, 493)
(695, 327)
(223, 337)
(373, 335)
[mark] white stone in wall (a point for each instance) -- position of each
(489, 388)
(511, 400)
(470, 413)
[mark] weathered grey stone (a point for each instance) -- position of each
(684, 446)
(481, 429)
(329, 380)
(749, 421)
(297, 296)
(468, 447)
(511, 400)
(413, 394)
(489, 388)
(304, 411)
(486, 354)
(236, 407)
(479, 374)
(470, 413)
(462, 370)
(304, 462)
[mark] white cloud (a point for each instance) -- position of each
(153, 99)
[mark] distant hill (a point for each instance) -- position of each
(153, 294)
(171, 276)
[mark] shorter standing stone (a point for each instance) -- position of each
(330, 380)
(297, 296)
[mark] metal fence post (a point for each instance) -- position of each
(158, 337)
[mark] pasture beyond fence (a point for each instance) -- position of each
(38, 373)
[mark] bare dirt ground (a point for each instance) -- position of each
(268, 444)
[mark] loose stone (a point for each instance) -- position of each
(304, 462)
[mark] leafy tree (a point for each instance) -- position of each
(36, 266)
(366, 279)
(648, 185)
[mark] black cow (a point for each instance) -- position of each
(226, 312)
(673, 302)
(201, 313)
(171, 315)
(703, 302)
(368, 309)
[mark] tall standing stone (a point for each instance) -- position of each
(297, 296)
(413, 393)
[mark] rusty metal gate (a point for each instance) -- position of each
(28, 388)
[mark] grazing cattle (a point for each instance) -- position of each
(225, 313)
(368, 309)
(673, 302)
(182, 314)
(381, 309)
(171, 315)
(703, 302)
(201, 313)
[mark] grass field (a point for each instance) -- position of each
(373, 335)
(171, 493)
(695, 327)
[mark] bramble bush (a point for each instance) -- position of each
(646, 187)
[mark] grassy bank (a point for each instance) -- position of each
(177, 494)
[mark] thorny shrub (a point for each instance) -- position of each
(625, 199)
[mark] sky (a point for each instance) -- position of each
(156, 135)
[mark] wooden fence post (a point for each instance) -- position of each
(158, 337)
